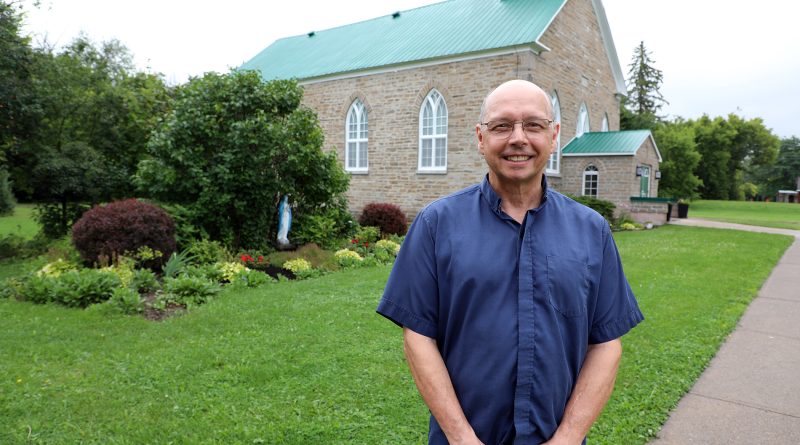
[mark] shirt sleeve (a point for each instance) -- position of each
(616, 311)
(410, 298)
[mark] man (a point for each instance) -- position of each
(511, 296)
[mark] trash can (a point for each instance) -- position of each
(683, 210)
(669, 211)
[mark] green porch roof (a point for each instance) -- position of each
(608, 143)
(440, 30)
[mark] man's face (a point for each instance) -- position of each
(517, 159)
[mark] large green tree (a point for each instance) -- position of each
(783, 174)
(726, 147)
(19, 109)
(640, 109)
(231, 147)
(676, 142)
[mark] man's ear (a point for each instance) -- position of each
(479, 136)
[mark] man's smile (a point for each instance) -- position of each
(517, 158)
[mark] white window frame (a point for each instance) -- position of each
(645, 169)
(591, 170)
(554, 163)
(604, 125)
(438, 109)
(356, 117)
(583, 120)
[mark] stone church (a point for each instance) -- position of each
(398, 98)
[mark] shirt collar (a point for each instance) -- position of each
(494, 201)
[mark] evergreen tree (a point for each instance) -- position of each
(640, 109)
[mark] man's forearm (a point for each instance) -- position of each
(592, 390)
(436, 388)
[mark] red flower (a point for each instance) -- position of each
(261, 258)
(354, 241)
(366, 244)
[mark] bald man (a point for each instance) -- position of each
(511, 296)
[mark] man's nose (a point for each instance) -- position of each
(517, 135)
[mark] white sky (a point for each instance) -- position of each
(718, 56)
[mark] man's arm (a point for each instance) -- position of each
(436, 388)
(591, 392)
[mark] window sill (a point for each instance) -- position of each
(431, 172)
(358, 172)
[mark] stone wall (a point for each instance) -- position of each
(576, 68)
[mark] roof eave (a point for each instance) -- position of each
(611, 50)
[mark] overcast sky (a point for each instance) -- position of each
(718, 56)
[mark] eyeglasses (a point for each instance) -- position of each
(531, 127)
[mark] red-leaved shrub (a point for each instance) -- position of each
(388, 217)
(123, 227)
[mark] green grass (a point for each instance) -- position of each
(311, 362)
(20, 223)
(768, 214)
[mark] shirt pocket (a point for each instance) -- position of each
(568, 285)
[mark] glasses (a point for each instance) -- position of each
(531, 127)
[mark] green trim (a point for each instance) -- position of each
(641, 199)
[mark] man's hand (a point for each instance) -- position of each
(434, 384)
(591, 392)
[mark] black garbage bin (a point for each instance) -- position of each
(683, 210)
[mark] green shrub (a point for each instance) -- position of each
(7, 200)
(208, 252)
(603, 207)
(301, 268)
(127, 300)
(348, 258)
(229, 270)
(56, 268)
(11, 246)
(36, 289)
(84, 287)
(144, 281)
(367, 234)
(211, 272)
(251, 278)
(189, 290)
(56, 220)
(318, 229)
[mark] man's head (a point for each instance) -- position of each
(517, 157)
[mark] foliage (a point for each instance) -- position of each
(127, 300)
(783, 174)
(7, 200)
(144, 281)
(727, 147)
(390, 246)
(56, 268)
(123, 268)
(640, 109)
(230, 270)
(601, 206)
(297, 265)
(251, 278)
(319, 258)
(212, 272)
(366, 234)
(231, 148)
(275, 350)
(55, 219)
(676, 142)
(348, 258)
(186, 232)
(388, 217)
(176, 264)
(125, 226)
(207, 252)
(189, 290)
(79, 288)
(318, 229)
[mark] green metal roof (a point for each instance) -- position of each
(608, 143)
(454, 27)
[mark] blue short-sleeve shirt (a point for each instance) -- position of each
(512, 307)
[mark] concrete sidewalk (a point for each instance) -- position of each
(750, 392)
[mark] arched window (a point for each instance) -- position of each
(357, 132)
(553, 163)
(604, 125)
(433, 133)
(583, 120)
(591, 177)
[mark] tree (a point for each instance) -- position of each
(18, 108)
(727, 147)
(231, 147)
(640, 109)
(783, 174)
(676, 142)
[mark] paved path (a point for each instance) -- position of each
(750, 392)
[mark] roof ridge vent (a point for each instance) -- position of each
(396, 14)
(312, 34)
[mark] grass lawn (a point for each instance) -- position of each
(768, 214)
(20, 223)
(310, 361)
